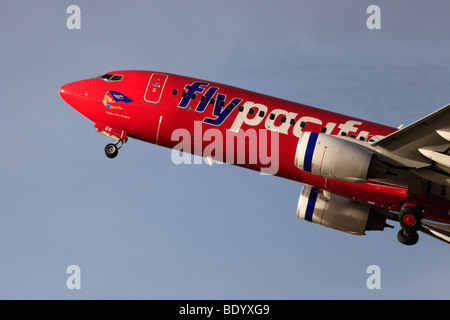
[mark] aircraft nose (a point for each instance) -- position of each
(70, 92)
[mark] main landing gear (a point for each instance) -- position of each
(410, 221)
(112, 149)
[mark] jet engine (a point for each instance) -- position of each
(337, 212)
(331, 157)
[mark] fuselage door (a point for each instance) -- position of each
(155, 88)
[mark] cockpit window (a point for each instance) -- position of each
(116, 78)
(111, 77)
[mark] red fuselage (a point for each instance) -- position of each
(159, 108)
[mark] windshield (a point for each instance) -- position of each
(111, 77)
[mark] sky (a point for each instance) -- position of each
(141, 227)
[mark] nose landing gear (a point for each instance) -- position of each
(410, 221)
(112, 149)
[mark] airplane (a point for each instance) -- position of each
(356, 174)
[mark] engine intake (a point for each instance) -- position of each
(337, 212)
(331, 157)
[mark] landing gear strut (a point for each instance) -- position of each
(410, 221)
(112, 149)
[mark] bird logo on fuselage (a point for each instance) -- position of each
(114, 99)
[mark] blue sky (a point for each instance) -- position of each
(140, 227)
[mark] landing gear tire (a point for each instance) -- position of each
(408, 237)
(111, 150)
(410, 218)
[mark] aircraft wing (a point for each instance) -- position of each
(429, 133)
(418, 157)
(438, 231)
(423, 147)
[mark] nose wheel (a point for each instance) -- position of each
(410, 221)
(112, 149)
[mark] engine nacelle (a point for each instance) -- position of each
(331, 157)
(337, 212)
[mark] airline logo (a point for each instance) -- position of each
(248, 146)
(113, 99)
(221, 110)
(253, 114)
